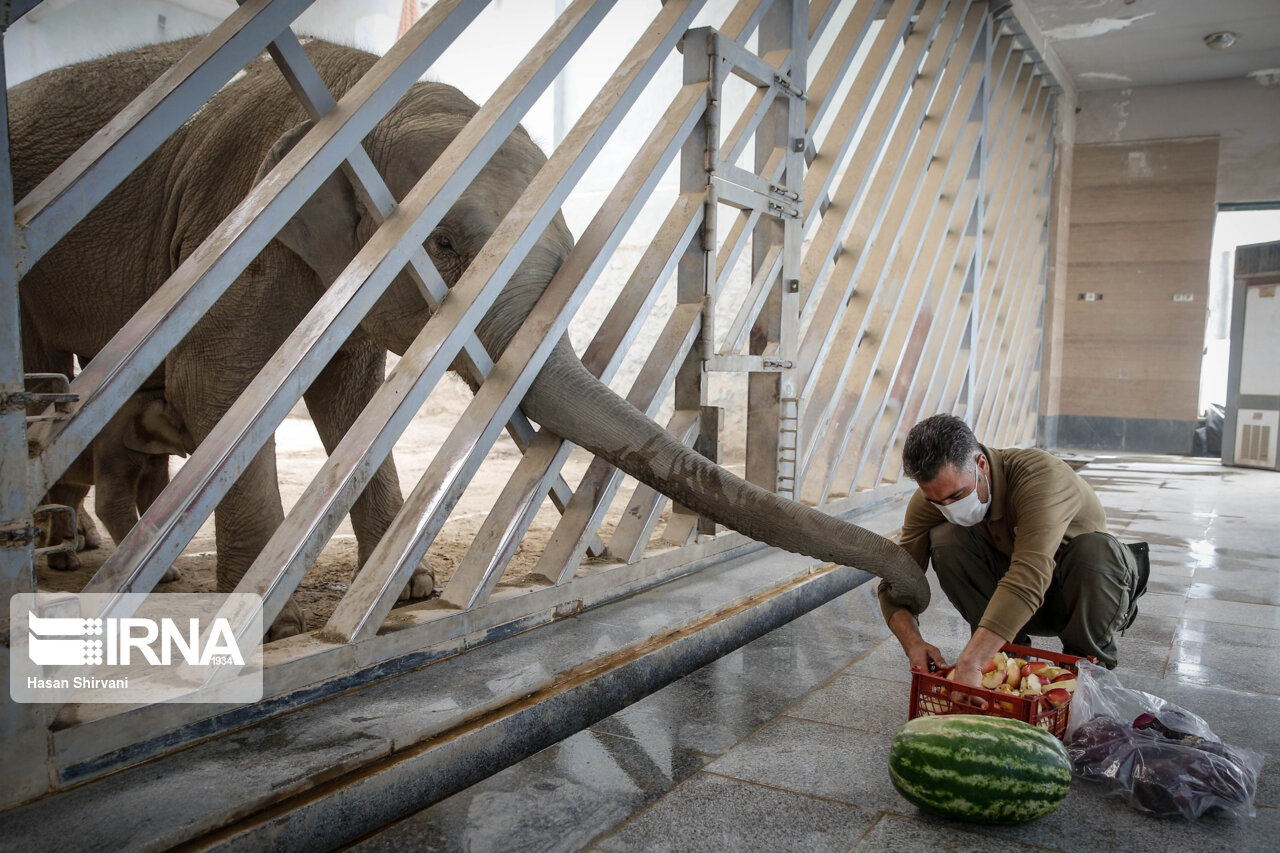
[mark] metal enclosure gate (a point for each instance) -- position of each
(887, 166)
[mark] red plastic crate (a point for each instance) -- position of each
(931, 694)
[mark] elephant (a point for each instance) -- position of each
(131, 242)
(128, 466)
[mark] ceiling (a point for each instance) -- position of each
(1114, 44)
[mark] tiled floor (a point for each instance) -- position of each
(783, 744)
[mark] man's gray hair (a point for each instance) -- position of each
(936, 442)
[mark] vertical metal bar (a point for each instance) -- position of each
(23, 728)
(696, 272)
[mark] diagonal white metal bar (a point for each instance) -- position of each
(1023, 284)
(604, 355)
(889, 263)
(1019, 231)
(63, 198)
(735, 142)
(901, 373)
(498, 537)
(645, 507)
(364, 177)
(1035, 285)
(476, 578)
(283, 561)
(825, 352)
(1016, 377)
(820, 15)
(887, 137)
(838, 59)
(755, 69)
(891, 344)
(882, 60)
(371, 597)
(142, 344)
(252, 419)
(736, 336)
(564, 551)
(1006, 247)
(511, 516)
(910, 375)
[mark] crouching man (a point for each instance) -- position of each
(1020, 545)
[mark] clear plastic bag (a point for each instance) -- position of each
(1162, 759)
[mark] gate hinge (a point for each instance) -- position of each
(14, 401)
(17, 535)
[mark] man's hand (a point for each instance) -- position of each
(926, 656)
(981, 647)
(919, 653)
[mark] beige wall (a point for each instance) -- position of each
(1136, 214)
(1140, 235)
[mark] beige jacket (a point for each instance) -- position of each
(1037, 504)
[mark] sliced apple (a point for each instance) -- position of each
(1052, 673)
(1031, 685)
(1034, 667)
(1067, 675)
(1068, 685)
(993, 679)
(1057, 697)
(1013, 674)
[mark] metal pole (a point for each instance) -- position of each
(23, 728)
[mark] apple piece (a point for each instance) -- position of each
(1013, 674)
(1067, 675)
(997, 662)
(1021, 662)
(1051, 673)
(993, 679)
(1031, 685)
(1057, 697)
(1035, 666)
(1068, 685)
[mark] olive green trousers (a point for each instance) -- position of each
(1094, 586)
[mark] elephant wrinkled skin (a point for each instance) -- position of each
(157, 217)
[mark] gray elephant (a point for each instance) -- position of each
(139, 235)
(128, 466)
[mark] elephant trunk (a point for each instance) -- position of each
(572, 403)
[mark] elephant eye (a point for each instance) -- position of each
(441, 242)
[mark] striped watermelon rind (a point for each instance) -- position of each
(979, 769)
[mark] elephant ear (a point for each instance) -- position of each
(323, 233)
(159, 429)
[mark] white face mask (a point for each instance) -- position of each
(969, 510)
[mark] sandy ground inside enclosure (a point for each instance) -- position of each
(299, 457)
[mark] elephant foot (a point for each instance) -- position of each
(88, 539)
(64, 561)
(291, 622)
(421, 585)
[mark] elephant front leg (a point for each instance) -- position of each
(335, 400)
(244, 522)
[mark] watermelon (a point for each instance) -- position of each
(981, 769)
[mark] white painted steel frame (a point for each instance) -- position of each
(898, 201)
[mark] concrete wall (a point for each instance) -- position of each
(1148, 167)
(1242, 113)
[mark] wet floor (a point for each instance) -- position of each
(783, 744)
